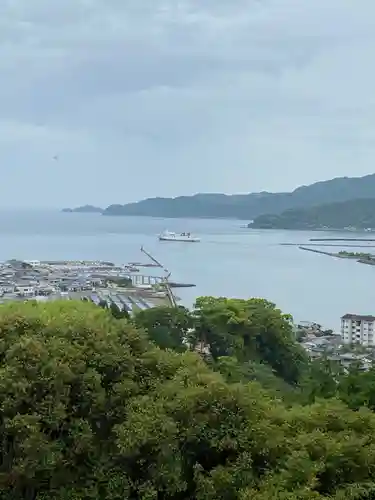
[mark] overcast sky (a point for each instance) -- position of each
(143, 98)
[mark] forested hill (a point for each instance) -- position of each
(249, 206)
(358, 214)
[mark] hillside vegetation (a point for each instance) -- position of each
(358, 214)
(249, 206)
(94, 407)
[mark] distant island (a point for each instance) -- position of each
(355, 214)
(85, 209)
(250, 206)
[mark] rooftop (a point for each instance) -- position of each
(358, 317)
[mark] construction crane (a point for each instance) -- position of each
(168, 289)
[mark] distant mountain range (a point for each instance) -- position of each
(247, 206)
(352, 214)
(85, 209)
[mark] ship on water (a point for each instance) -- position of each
(182, 237)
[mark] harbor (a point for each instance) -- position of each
(101, 282)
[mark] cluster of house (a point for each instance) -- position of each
(29, 279)
(335, 347)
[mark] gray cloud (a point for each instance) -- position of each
(162, 97)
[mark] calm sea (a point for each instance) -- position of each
(230, 260)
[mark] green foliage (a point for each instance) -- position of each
(113, 308)
(320, 380)
(168, 327)
(251, 329)
(357, 388)
(235, 372)
(118, 313)
(90, 408)
(67, 370)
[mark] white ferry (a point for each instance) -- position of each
(185, 237)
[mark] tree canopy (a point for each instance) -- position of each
(168, 327)
(251, 329)
(92, 408)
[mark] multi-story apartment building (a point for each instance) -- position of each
(358, 329)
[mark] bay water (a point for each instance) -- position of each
(230, 260)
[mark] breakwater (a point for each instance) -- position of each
(357, 258)
(342, 239)
(349, 245)
(319, 251)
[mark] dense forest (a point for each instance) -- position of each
(249, 206)
(358, 214)
(96, 406)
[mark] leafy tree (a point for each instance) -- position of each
(91, 409)
(236, 372)
(357, 388)
(219, 441)
(321, 380)
(118, 313)
(168, 327)
(251, 329)
(113, 308)
(62, 389)
(326, 379)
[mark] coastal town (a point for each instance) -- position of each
(107, 283)
(129, 289)
(96, 281)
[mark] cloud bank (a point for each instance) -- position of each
(169, 97)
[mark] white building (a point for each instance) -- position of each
(358, 329)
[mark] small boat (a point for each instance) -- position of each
(185, 237)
